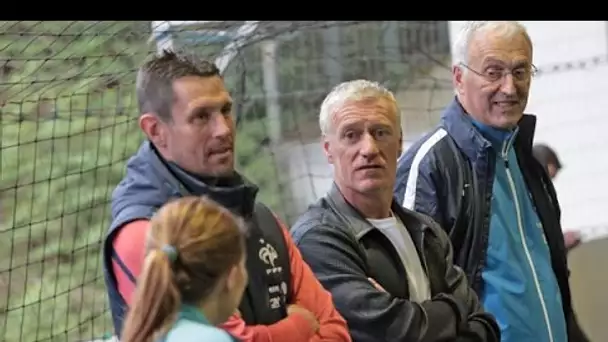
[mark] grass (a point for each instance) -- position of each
(55, 196)
(67, 128)
(57, 177)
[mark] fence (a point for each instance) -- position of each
(68, 124)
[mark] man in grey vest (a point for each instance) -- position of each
(186, 115)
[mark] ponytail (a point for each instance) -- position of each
(156, 302)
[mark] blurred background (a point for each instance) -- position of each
(68, 125)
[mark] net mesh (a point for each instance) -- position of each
(68, 124)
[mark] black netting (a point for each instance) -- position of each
(68, 124)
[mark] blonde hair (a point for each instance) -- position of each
(352, 91)
(192, 243)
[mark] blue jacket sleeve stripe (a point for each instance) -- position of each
(409, 198)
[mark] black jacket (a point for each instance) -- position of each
(453, 184)
(344, 250)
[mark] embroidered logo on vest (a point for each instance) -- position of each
(276, 293)
(269, 255)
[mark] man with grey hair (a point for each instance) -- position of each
(389, 269)
(475, 174)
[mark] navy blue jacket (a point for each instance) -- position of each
(449, 174)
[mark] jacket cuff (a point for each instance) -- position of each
(482, 328)
(459, 309)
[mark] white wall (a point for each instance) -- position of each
(307, 173)
(571, 107)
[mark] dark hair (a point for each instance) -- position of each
(192, 243)
(546, 156)
(155, 79)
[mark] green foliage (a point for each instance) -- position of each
(257, 163)
(57, 177)
(67, 129)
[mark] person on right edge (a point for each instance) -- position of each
(389, 269)
(547, 157)
(475, 174)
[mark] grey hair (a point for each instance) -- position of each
(508, 29)
(352, 91)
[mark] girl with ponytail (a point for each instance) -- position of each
(193, 276)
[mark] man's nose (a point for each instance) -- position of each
(369, 146)
(507, 85)
(222, 125)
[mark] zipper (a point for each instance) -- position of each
(422, 254)
(523, 239)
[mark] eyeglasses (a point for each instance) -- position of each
(495, 74)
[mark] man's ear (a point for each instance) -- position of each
(152, 126)
(457, 75)
(327, 149)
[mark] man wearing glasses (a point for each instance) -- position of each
(475, 174)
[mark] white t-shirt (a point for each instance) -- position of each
(418, 282)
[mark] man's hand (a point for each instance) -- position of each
(572, 239)
(376, 285)
(294, 309)
(238, 313)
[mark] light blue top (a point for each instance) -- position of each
(520, 288)
(192, 326)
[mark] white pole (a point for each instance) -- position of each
(161, 33)
(271, 87)
(231, 50)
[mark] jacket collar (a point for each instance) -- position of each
(238, 195)
(471, 141)
(192, 313)
(360, 225)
